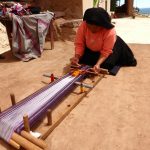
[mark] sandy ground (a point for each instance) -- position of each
(114, 115)
(133, 30)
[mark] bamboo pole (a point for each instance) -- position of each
(34, 140)
(13, 100)
(26, 123)
(24, 142)
(14, 144)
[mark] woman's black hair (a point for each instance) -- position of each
(98, 16)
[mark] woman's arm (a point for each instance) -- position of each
(80, 39)
(74, 60)
(79, 44)
(108, 44)
(99, 62)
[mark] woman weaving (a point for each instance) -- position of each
(97, 44)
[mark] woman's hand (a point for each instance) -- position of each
(74, 61)
(96, 68)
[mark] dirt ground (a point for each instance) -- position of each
(114, 116)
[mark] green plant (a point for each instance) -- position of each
(95, 3)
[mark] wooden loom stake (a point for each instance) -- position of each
(26, 123)
(82, 88)
(13, 101)
(34, 140)
(52, 77)
(49, 117)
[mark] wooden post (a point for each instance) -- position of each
(34, 140)
(26, 123)
(49, 117)
(51, 30)
(129, 5)
(13, 101)
(24, 142)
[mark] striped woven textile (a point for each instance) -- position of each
(11, 120)
(29, 32)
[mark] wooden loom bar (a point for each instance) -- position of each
(24, 142)
(34, 140)
(14, 144)
(102, 70)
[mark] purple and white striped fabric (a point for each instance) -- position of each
(35, 105)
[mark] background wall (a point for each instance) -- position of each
(72, 8)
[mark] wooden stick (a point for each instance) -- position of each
(49, 117)
(24, 142)
(103, 71)
(77, 66)
(26, 123)
(0, 110)
(34, 140)
(49, 75)
(13, 101)
(14, 144)
(92, 72)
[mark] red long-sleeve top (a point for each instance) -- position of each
(102, 41)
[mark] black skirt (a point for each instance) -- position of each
(121, 56)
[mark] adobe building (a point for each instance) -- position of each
(69, 13)
(71, 8)
(76, 8)
(127, 8)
